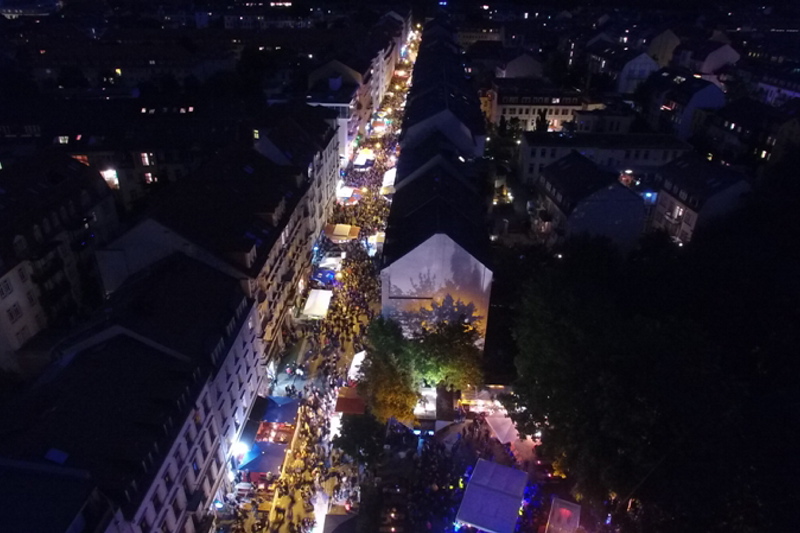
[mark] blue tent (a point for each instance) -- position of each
(281, 410)
(265, 457)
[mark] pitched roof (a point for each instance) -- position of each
(697, 177)
(575, 177)
(114, 410)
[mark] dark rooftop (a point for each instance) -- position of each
(114, 410)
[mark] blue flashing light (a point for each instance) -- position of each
(218, 504)
(648, 195)
(456, 525)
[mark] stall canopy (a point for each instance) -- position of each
(493, 498)
(349, 402)
(504, 428)
(281, 410)
(387, 187)
(265, 457)
(355, 365)
(341, 233)
(317, 304)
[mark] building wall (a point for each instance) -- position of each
(22, 314)
(662, 47)
(436, 280)
(533, 159)
(197, 464)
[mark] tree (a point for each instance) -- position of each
(542, 124)
(651, 377)
(446, 353)
(387, 381)
(361, 437)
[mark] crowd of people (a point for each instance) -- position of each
(313, 468)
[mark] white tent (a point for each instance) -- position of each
(317, 304)
(504, 428)
(331, 263)
(493, 497)
(355, 365)
(340, 233)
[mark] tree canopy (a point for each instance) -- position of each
(361, 437)
(444, 353)
(663, 376)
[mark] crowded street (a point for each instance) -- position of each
(315, 478)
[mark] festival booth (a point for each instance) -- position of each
(355, 366)
(264, 462)
(387, 186)
(317, 305)
(341, 233)
(276, 419)
(375, 243)
(347, 195)
(326, 270)
(364, 160)
(349, 402)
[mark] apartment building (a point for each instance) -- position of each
(639, 153)
(577, 197)
(672, 96)
(524, 99)
(255, 217)
(54, 212)
(149, 400)
(692, 192)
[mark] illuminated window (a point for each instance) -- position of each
(63, 139)
(111, 178)
(256, 134)
(82, 158)
(149, 178)
(148, 159)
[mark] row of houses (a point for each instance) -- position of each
(619, 186)
(436, 262)
(140, 408)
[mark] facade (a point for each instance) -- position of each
(161, 469)
(626, 67)
(260, 231)
(524, 99)
(640, 153)
(747, 133)
(523, 65)
(692, 192)
(671, 97)
(611, 120)
(55, 212)
(705, 58)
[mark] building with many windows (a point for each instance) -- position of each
(692, 192)
(149, 400)
(524, 99)
(54, 211)
(639, 153)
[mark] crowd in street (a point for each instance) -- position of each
(314, 470)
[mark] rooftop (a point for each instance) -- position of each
(622, 141)
(113, 411)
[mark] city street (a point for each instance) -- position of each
(317, 479)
